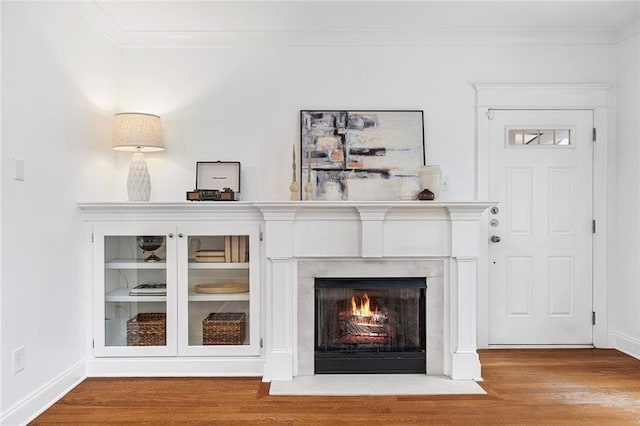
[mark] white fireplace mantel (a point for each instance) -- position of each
(372, 231)
(354, 237)
(378, 220)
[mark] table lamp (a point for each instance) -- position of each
(137, 132)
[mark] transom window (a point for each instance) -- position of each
(537, 137)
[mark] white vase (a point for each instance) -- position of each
(430, 177)
(409, 190)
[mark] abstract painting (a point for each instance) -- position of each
(360, 155)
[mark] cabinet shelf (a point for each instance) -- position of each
(230, 297)
(134, 264)
(231, 265)
(122, 295)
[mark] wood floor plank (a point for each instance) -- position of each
(524, 387)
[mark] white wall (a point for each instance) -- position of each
(243, 103)
(626, 244)
(59, 92)
(58, 88)
(1, 202)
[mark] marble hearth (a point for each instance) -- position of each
(306, 240)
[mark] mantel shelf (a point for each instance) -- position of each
(210, 205)
(281, 210)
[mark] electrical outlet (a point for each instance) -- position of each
(18, 169)
(18, 360)
(445, 183)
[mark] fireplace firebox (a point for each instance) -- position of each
(370, 325)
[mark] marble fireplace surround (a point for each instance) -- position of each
(309, 270)
(439, 241)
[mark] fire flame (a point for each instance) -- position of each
(364, 309)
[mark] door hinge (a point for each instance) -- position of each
(593, 318)
(595, 134)
(93, 343)
(489, 114)
(261, 343)
(593, 226)
(92, 237)
(260, 236)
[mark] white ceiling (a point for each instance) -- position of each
(130, 23)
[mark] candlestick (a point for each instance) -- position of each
(308, 188)
(293, 167)
(307, 191)
(294, 187)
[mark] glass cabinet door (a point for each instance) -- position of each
(136, 292)
(218, 284)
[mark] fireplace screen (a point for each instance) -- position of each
(370, 325)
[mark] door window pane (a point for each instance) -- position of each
(539, 137)
(562, 137)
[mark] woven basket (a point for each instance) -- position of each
(225, 328)
(147, 329)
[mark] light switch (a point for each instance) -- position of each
(18, 169)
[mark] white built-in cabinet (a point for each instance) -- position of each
(371, 236)
(195, 258)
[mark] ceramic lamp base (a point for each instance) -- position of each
(138, 180)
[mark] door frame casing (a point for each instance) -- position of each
(594, 97)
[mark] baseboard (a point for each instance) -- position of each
(175, 367)
(628, 345)
(588, 346)
(611, 340)
(33, 405)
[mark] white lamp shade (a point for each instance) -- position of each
(135, 131)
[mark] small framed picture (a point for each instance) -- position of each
(218, 175)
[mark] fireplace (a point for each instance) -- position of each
(317, 239)
(370, 325)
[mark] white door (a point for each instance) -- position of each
(540, 270)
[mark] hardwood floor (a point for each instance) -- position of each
(524, 387)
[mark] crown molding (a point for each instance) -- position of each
(128, 38)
